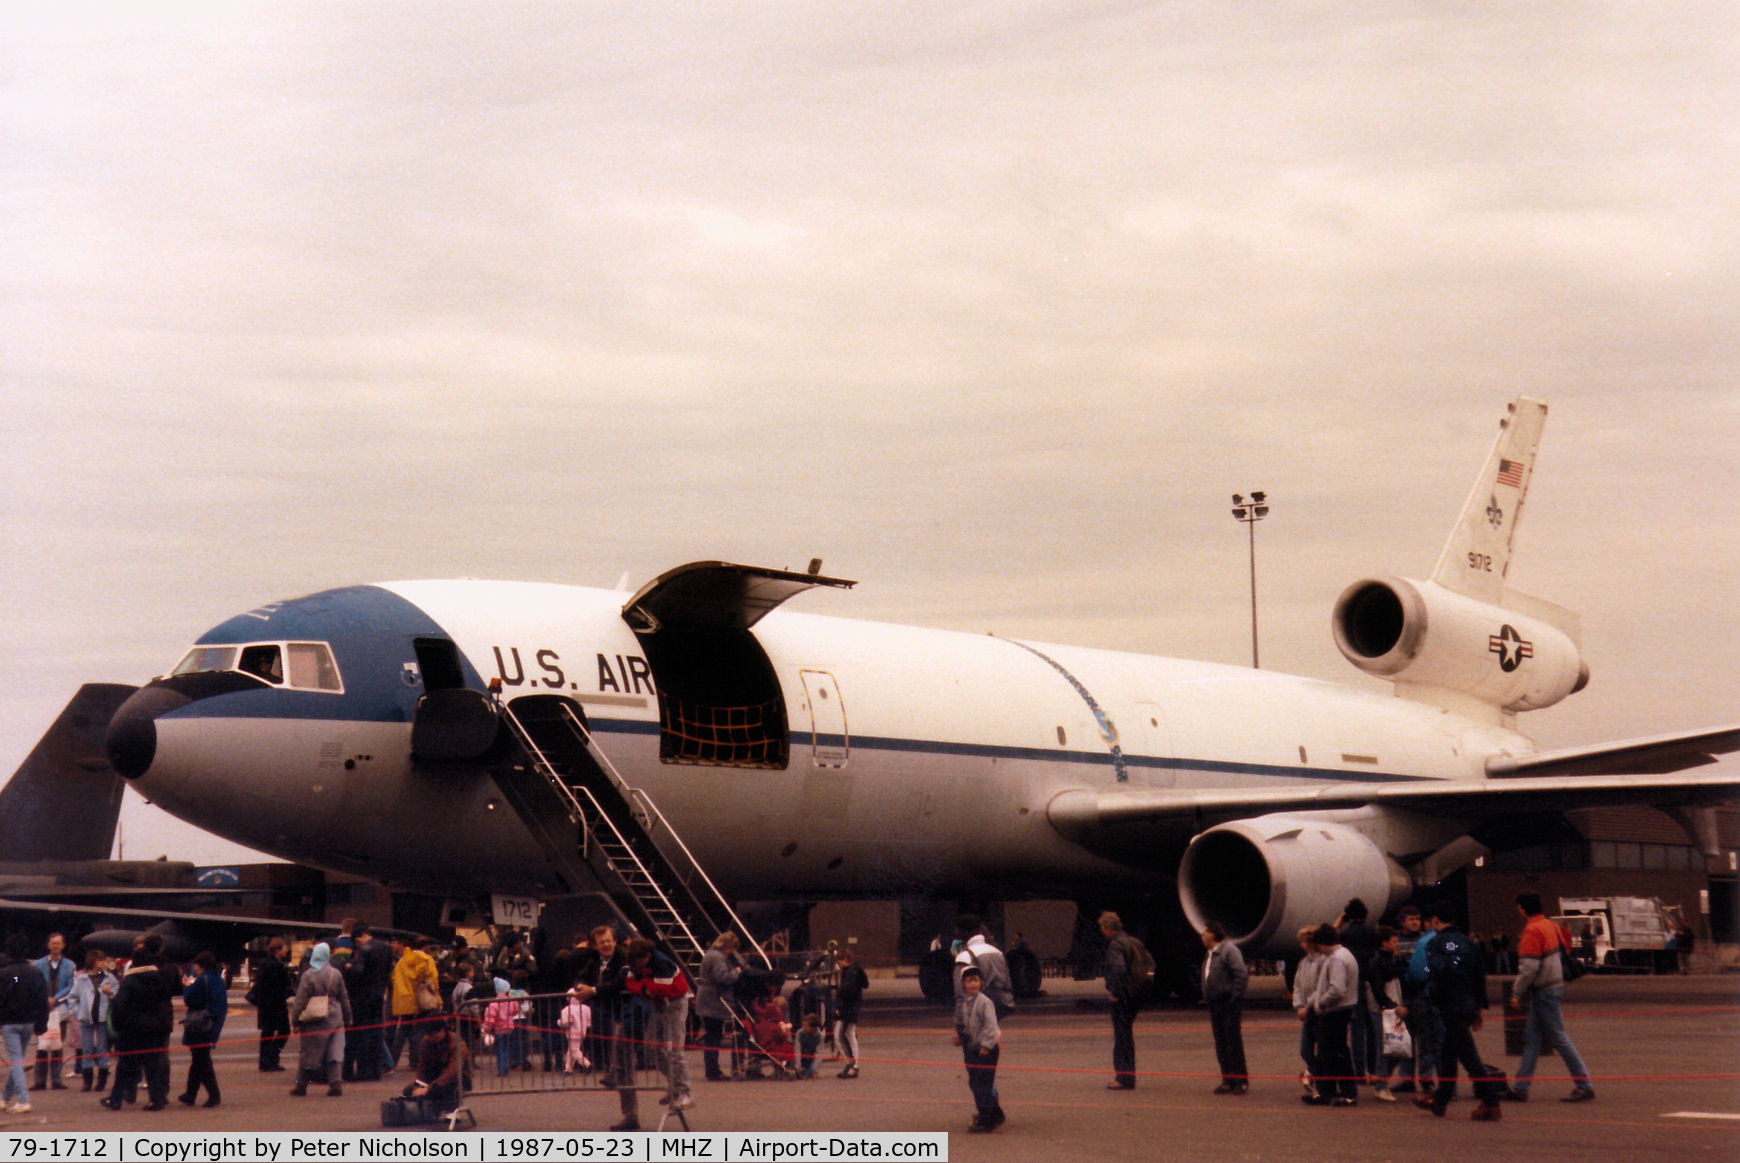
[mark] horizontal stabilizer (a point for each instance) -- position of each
(1653, 756)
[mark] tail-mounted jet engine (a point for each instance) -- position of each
(1422, 634)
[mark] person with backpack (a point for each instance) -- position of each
(1456, 980)
(973, 949)
(977, 951)
(1425, 1024)
(1122, 970)
(1224, 978)
(1540, 985)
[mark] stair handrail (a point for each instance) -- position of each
(577, 814)
(635, 796)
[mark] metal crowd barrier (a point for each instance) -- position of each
(538, 1043)
(532, 1044)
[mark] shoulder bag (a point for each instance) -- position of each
(197, 1027)
(317, 1008)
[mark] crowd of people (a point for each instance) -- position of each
(1394, 1008)
(100, 1022)
(611, 1002)
(1391, 1007)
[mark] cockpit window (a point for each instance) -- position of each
(311, 667)
(204, 659)
(306, 666)
(262, 662)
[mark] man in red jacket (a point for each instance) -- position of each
(657, 978)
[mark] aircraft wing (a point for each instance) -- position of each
(146, 918)
(1088, 816)
(93, 895)
(92, 911)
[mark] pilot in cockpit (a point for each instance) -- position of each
(262, 662)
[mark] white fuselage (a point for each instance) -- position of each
(920, 760)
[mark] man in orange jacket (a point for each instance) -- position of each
(1539, 985)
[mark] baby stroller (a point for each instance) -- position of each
(763, 1030)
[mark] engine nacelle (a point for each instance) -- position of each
(1423, 634)
(1266, 878)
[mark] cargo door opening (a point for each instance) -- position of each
(720, 702)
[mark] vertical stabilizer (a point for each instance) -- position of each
(1477, 556)
(64, 800)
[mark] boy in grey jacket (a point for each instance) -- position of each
(979, 1038)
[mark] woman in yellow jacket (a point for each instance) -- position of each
(416, 996)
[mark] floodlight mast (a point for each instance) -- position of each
(1249, 513)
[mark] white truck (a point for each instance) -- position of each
(1621, 934)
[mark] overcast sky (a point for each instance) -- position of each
(991, 306)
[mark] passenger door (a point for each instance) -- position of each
(830, 745)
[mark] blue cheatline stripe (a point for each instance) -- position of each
(1108, 729)
(860, 743)
(1048, 755)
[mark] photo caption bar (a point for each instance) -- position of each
(475, 1146)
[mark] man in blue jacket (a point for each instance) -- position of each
(1425, 1023)
(58, 970)
(1456, 972)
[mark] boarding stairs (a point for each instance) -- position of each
(596, 827)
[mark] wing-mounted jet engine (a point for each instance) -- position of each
(1462, 641)
(1266, 878)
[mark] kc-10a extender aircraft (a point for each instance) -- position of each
(801, 756)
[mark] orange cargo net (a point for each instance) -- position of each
(752, 736)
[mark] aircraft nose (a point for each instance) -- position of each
(132, 737)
